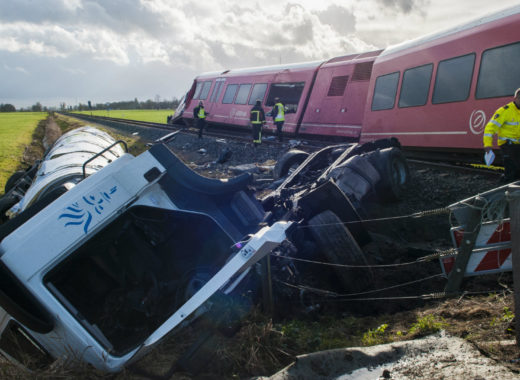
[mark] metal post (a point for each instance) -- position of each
(267, 288)
(471, 230)
(513, 197)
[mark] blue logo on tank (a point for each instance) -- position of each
(81, 213)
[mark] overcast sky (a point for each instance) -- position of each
(72, 51)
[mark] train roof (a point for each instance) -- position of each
(261, 69)
(437, 35)
(292, 66)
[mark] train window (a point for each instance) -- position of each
(385, 91)
(289, 93)
(337, 85)
(259, 90)
(243, 92)
(197, 90)
(453, 79)
(205, 90)
(415, 86)
(229, 95)
(217, 90)
(499, 72)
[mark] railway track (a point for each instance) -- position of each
(221, 131)
(460, 163)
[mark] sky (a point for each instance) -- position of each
(73, 51)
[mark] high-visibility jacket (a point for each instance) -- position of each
(257, 115)
(505, 123)
(280, 112)
(202, 113)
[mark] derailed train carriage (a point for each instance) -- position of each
(435, 93)
(104, 253)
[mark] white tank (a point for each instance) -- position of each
(68, 161)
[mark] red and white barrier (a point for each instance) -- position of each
(491, 253)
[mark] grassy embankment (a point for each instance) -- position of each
(153, 116)
(16, 133)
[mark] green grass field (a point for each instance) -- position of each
(153, 116)
(16, 129)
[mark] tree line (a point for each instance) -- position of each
(121, 105)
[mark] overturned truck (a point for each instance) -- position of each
(103, 254)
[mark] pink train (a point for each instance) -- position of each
(435, 92)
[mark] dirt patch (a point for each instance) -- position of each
(45, 134)
(52, 132)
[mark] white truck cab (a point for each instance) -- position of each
(124, 256)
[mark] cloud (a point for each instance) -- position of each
(202, 35)
(405, 6)
(17, 68)
(339, 18)
(139, 48)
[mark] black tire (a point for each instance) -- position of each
(13, 179)
(337, 244)
(291, 159)
(192, 281)
(395, 175)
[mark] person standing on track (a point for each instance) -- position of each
(199, 113)
(505, 123)
(257, 119)
(278, 114)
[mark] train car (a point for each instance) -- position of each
(337, 101)
(229, 96)
(433, 93)
(440, 90)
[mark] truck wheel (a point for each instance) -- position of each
(338, 245)
(290, 160)
(192, 281)
(13, 179)
(395, 175)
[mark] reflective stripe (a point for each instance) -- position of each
(509, 139)
(511, 123)
(259, 139)
(488, 135)
(496, 123)
(256, 116)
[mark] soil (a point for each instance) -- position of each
(476, 340)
